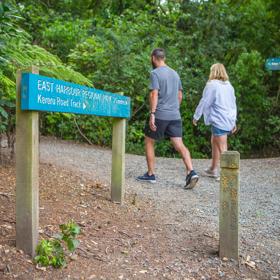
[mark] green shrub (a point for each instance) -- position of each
(51, 252)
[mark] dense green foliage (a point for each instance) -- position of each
(109, 42)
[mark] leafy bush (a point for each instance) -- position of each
(61, 36)
(109, 42)
(51, 252)
(253, 103)
(17, 52)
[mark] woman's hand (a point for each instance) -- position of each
(194, 122)
(152, 122)
(234, 129)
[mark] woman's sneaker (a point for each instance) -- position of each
(191, 180)
(211, 173)
(147, 178)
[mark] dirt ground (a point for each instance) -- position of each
(135, 241)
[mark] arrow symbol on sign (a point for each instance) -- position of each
(84, 106)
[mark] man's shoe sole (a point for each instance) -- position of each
(192, 183)
(148, 181)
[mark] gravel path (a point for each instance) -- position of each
(184, 210)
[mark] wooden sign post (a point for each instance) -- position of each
(229, 205)
(27, 174)
(118, 161)
(39, 93)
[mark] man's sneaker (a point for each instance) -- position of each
(191, 180)
(147, 178)
(211, 173)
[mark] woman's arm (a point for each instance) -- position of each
(234, 130)
(205, 102)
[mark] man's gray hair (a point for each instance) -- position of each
(158, 53)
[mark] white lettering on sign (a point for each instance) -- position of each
(64, 89)
(96, 96)
(75, 104)
(120, 101)
(77, 92)
(107, 98)
(45, 86)
(46, 100)
(67, 90)
(62, 102)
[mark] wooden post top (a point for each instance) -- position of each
(230, 159)
(32, 69)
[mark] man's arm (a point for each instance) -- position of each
(153, 106)
(153, 100)
(180, 96)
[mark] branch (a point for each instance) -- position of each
(6, 194)
(81, 133)
(138, 109)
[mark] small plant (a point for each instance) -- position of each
(52, 252)
(69, 232)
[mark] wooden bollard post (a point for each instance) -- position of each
(27, 174)
(118, 160)
(229, 205)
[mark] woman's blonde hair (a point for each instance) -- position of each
(218, 72)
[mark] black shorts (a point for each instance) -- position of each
(165, 129)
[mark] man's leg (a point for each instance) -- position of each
(150, 138)
(150, 157)
(150, 154)
(192, 177)
(183, 151)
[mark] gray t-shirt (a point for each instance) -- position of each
(168, 83)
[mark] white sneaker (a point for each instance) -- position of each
(211, 173)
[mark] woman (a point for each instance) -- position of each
(218, 106)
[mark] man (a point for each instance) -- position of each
(165, 119)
